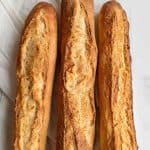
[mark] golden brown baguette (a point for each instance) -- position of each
(117, 131)
(76, 108)
(35, 72)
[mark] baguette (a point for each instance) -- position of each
(35, 73)
(76, 108)
(117, 131)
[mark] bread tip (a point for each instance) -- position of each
(112, 4)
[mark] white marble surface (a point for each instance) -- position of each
(12, 16)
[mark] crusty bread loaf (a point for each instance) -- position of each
(117, 131)
(35, 72)
(76, 108)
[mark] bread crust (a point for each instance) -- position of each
(117, 129)
(76, 108)
(35, 73)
